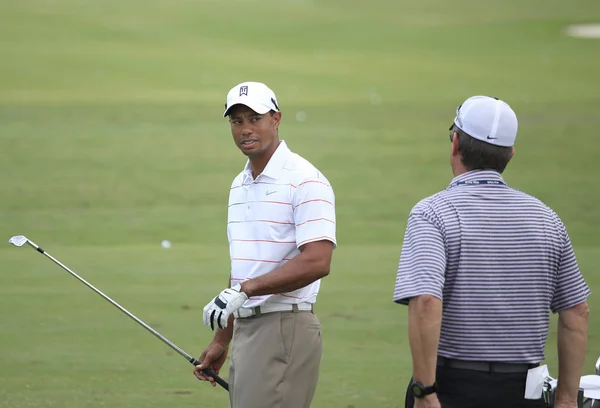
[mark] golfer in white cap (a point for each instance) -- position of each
(282, 232)
(482, 267)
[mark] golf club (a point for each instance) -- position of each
(20, 240)
(598, 366)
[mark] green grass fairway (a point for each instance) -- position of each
(112, 140)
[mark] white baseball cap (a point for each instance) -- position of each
(488, 119)
(255, 95)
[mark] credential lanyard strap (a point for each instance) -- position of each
(477, 182)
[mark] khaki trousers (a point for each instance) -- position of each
(274, 360)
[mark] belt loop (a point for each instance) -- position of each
(257, 311)
(295, 308)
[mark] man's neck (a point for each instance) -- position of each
(462, 170)
(459, 169)
(259, 163)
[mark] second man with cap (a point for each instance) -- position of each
(482, 267)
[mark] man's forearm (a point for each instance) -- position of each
(225, 335)
(297, 273)
(424, 325)
(572, 336)
(293, 275)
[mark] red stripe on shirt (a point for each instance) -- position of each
(276, 222)
(314, 220)
(296, 297)
(311, 201)
(313, 181)
(273, 222)
(258, 260)
(275, 202)
(263, 240)
(270, 202)
(315, 239)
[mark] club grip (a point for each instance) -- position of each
(209, 373)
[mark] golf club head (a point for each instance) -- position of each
(598, 366)
(18, 240)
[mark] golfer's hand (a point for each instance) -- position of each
(213, 358)
(219, 309)
(430, 401)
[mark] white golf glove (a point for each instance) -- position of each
(221, 307)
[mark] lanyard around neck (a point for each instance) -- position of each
(477, 182)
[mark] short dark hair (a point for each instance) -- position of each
(478, 155)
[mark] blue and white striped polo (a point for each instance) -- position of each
(499, 259)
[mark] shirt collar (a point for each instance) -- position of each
(274, 166)
(478, 175)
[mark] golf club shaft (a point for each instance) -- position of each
(189, 358)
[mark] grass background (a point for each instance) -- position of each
(112, 140)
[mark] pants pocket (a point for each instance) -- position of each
(287, 328)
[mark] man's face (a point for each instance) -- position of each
(253, 133)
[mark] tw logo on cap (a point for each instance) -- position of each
(244, 90)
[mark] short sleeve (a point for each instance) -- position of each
(571, 288)
(422, 266)
(314, 212)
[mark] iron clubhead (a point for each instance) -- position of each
(18, 240)
(598, 366)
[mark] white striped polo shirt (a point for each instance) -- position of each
(499, 259)
(289, 204)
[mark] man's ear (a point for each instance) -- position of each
(454, 144)
(276, 119)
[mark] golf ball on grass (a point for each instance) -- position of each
(165, 244)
